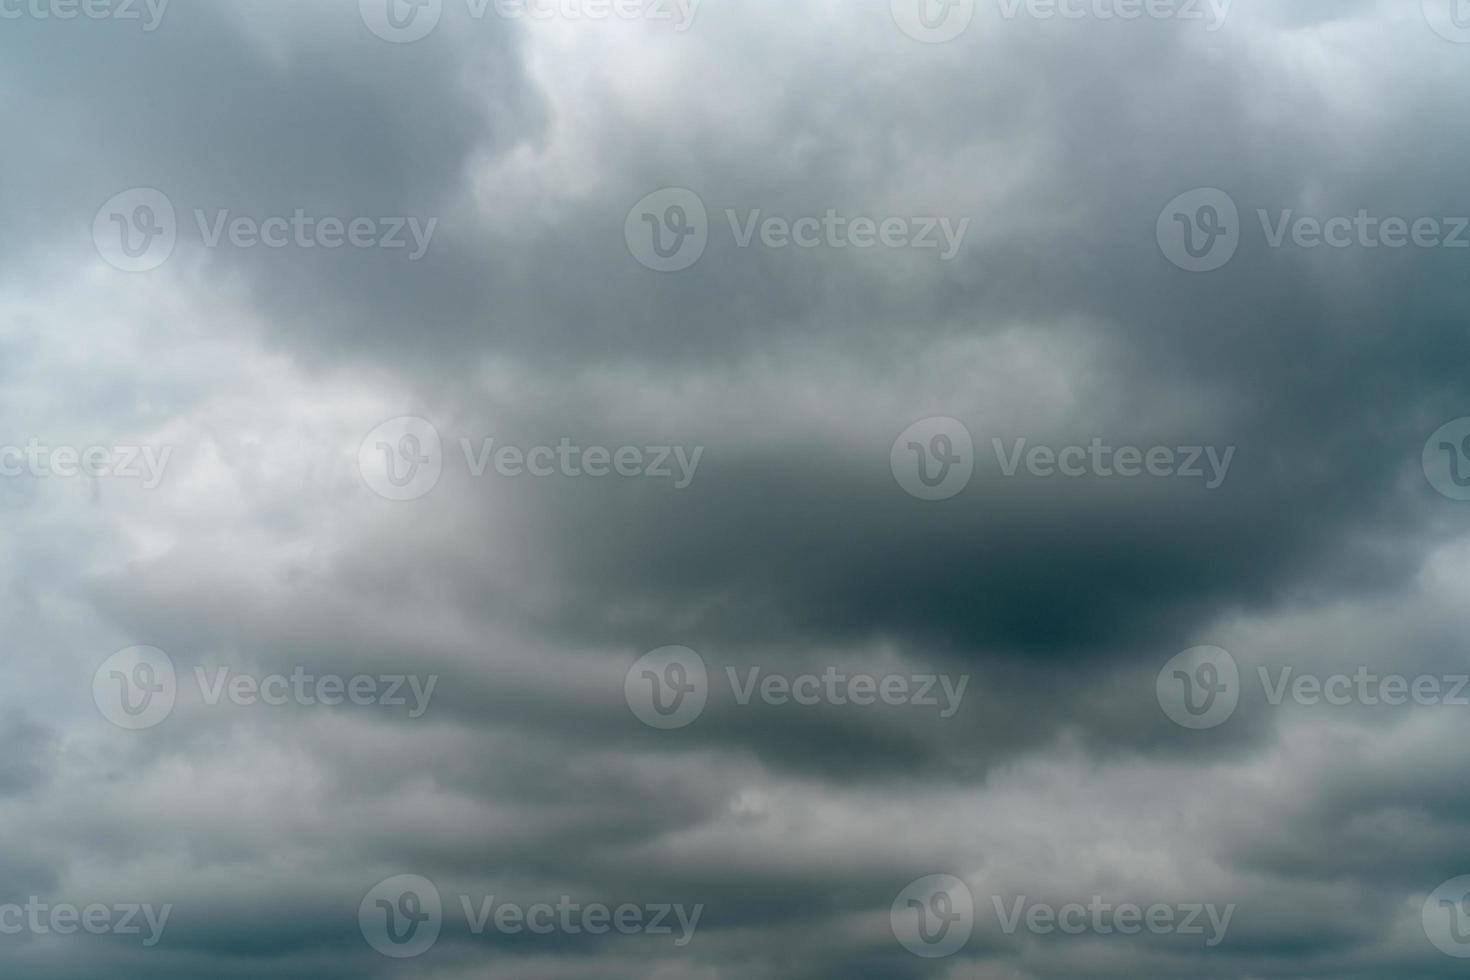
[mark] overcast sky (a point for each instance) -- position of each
(728, 463)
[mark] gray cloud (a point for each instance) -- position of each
(793, 549)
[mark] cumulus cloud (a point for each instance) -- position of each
(212, 674)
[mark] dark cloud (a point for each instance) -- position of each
(793, 550)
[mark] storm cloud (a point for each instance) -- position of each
(484, 481)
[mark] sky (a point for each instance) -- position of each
(620, 489)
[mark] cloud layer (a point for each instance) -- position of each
(785, 549)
